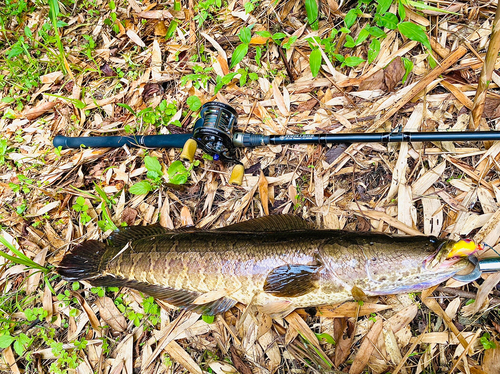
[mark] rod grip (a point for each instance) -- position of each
(149, 141)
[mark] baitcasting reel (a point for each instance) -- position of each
(213, 133)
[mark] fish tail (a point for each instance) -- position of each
(82, 262)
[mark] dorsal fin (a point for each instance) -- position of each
(127, 234)
(285, 222)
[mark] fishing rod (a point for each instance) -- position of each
(214, 134)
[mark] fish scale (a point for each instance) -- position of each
(278, 270)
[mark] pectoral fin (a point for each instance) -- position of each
(292, 280)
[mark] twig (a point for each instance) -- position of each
(285, 62)
(486, 72)
(462, 293)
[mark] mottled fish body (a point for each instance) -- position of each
(277, 263)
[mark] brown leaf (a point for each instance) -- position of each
(110, 314)
(350, 309)
(161, 29)
(40, 109)
(186, 219)
(393, 73)
(344, 336)
(374, 82)
(264, 193)
(238, 363)
(366, 349)
(129, 215)
(492, 107)
(491, 360)
(94, 321)
(107, 70)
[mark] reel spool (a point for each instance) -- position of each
(213, 133)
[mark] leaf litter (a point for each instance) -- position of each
(139, 68)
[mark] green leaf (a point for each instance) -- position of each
(377, 32)
(401, 11)
(373, 50)
(408, 64)
(325, 336)
(278, 36)
(8, 100)
(312, 11)
(363, 35)
(420, 5)
(245, 35)
(253, 76)
(258, 55)
(6, 340)
(126, 106)
(194, 103)
(208, 319)
(388, 20)
(339, 57)
(315, 60)
(177, 173)
(238, 54)
(349, 43)
(350, 18)
(18, 348)
(353, 61)
(171, 29)
(152, 164)
(264, 34)
(383, 6)
(414, 32)
(141, 188)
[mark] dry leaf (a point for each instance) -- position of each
(40, 109)
(264, 193)
(374, 82)
(366, 348)
(135, 38)
(393, 73)
(110, 314)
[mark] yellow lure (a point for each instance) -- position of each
(464, 248)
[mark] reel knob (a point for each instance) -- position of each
(237, 175)
(189, 150)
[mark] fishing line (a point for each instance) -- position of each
(490, 247)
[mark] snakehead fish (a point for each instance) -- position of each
(278, 263)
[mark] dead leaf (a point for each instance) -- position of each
(110, 314)
(393, 73)
(350, 309)
(264, 193)
(40, 109)
(366, 348)
(491, 360)
(135, 38)
(54, 77)
(374, 82)
(344, 337)
(129, 215)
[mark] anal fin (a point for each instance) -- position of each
(180, 298)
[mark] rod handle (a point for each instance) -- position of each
(149, 141)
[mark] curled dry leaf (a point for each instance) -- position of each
(393, 73)
(135, 38)
(40, 109)
(264, 193)
(110, 314)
